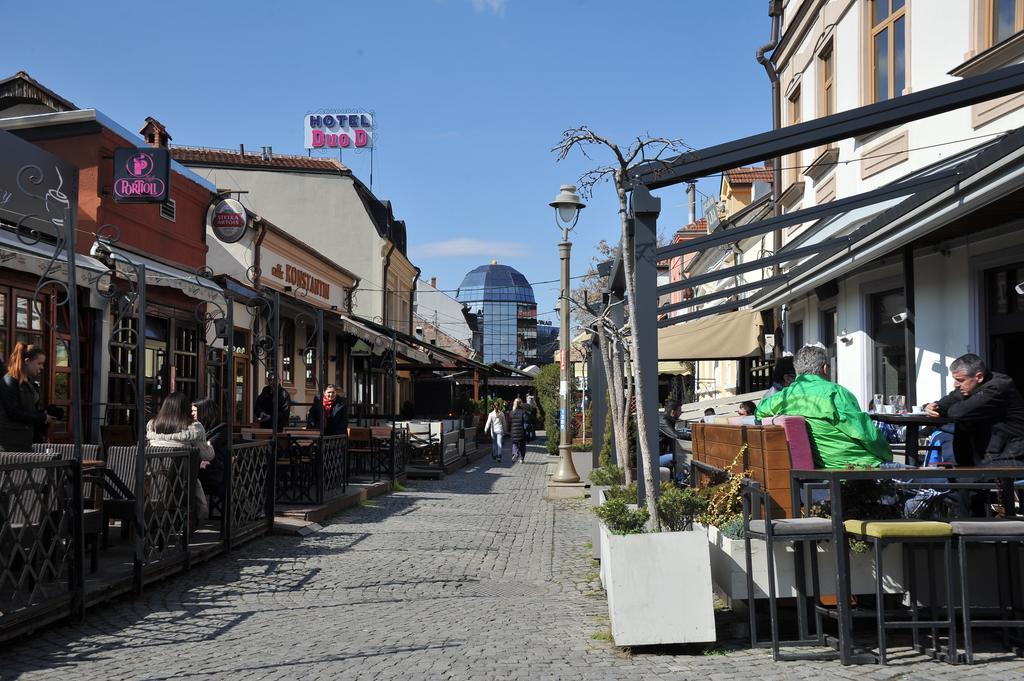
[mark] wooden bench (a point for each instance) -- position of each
(773, 449)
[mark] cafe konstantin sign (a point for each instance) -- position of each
(338, 130)
(140, 175)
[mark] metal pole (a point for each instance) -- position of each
(140, 424)
(74, 358)
(909, 327)
(321, 370)
(566, 472)
(394, 387)
(645, 209)
(275, 341)
(228, 473)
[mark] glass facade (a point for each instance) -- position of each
(505, 311)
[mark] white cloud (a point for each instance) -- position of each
(465, 247)
(495, 7)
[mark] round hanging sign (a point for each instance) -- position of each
(228, 220)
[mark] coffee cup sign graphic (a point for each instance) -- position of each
(140, 175)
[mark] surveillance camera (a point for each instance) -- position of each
(899, 318)
(1019, 288)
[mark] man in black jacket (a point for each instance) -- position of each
(988, 412)
(264, 407)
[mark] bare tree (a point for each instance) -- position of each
(643, 148)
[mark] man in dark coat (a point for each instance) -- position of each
(264, 407)
(988, 412)
(330, 410)
(531, 418)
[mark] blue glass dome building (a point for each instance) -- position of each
(501, 303)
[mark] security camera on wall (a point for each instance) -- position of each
(899, 318)
(1019, 288)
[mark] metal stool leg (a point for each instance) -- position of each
(751, 600)
(880, 600)
(910, 552)
(947, 546)
(816, 593)
(965, 602)
(772, 602)
(932, 596)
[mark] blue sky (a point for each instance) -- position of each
(469, 95)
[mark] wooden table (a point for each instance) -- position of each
(1006, 477)
(913, 423)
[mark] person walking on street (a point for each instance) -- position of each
(496, 429)
(531, 419)
(517, 430)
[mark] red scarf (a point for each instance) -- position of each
(327, 405)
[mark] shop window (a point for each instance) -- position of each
(288, 351)
(829, 322)
(887, 51)
(890, 355)
(309, 358)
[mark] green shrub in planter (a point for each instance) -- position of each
(678, 506)
(620, 519)
(608, 476)
(626, 494)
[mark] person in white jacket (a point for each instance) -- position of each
(173, 427)
(496, 428)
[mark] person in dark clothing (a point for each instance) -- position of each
(531, 418)
(783, 373)
(264, 407)
(517, 430)
(331, 404)
(667, 434)
(23, 421)
(211, 475)
(988, 412)
(747, 408)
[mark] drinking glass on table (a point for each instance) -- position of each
(877, 400)
(901, 404)
(892, 403)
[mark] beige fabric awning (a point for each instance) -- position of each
(725, 336)
(676, 368)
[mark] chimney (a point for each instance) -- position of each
(155, 133)
(691, 193)
(433, 282)
(268, 153)
(241, 150)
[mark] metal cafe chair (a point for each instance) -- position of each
(808, 531)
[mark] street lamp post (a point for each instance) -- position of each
(567, 207)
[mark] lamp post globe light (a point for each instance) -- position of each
(567, 207)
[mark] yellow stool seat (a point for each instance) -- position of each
(894, 529)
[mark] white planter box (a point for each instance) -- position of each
(729, 568)
(659, 587)
(596, 492)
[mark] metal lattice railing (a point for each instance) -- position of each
(250, 468)
(332, 465)
(37, 537)
(167, 504)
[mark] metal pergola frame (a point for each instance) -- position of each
(644, 209)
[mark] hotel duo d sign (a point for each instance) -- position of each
(140, 175)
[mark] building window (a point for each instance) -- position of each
(796, 336)
(829, 319)
(1002, 19)
(890, 354)
(309, 358)
(827, 69)
(288, 351)
(888, 48)
(792, 162)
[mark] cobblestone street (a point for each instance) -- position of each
(471, 577)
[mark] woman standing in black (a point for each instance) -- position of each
(517, 430)
(22, 418)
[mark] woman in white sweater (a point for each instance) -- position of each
(496, 428)
(174, 427)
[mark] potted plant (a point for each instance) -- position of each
(602, 479)
(658, 583)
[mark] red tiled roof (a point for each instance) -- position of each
(694, 228)
(749, 175)
(234, 157)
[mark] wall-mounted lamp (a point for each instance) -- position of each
(334, 307)
(288, 289)
(900, 318)
(1019, 288)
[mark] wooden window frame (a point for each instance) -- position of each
(287, 351)
(874, 29)
(827, 102)
(793, 161)
(989, 22)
